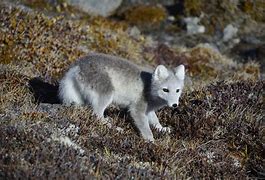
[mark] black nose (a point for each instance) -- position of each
(174, 105)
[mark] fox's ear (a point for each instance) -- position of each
(180, 72)
(160, 73)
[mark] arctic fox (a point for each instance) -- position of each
(100, 79)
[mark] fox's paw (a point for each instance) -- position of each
(149, 139)
(164, 130)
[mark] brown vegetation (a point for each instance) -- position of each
(218, 130)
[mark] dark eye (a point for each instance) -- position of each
(177, 90)
(165, 90)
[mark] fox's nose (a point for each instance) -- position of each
(174, 105)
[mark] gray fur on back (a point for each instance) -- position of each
(97, 69)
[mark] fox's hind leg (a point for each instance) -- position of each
(99, 103)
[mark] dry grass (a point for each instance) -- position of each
(218, 131)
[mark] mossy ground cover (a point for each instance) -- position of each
(218, 129)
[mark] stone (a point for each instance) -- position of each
(229, 32)
(133, 2)
(192, 25)
(103, 8)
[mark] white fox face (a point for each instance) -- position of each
(168, 85)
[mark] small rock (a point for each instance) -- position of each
(96, 8)
(229, 32)
(128, 3)
(209, 46)
(171, 18)
(134, 32)
(192, 25)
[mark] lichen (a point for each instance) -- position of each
(104, 39)
(14, 91)
(209, 65)
(60, 7)
(217, 130)
(255, 9)
(52, 44)
(193, 7)
(146, 16)
(231, 12)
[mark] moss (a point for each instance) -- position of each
(7, 52)
(52, 44)
(231, 12)
(199, 62)
(193, 7)
(204, 64)
(255, 9)
(35, 116)
(112, 37)
(26, 34)
(217, 130)
(209, 65)
(14, 91)
(146, 16)
(250, 70)
(38, 4)
(56, 6)
(213, 130)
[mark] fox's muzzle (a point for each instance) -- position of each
(174, 105)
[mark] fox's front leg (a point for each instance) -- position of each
(153, 121)
(141, 122)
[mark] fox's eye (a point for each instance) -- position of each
(177, 91)
(165, 90)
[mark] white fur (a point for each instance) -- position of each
(160, 73)
(180, 72)
(68, 92)
(172, 83)
(120, 96)
(127, 90)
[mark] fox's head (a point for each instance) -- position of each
(167, 85)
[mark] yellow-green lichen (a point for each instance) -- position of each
(146, 16)
(256, 9)
(56, 6)
(193, 7)
(51, 44)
